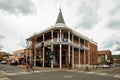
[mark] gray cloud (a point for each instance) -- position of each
(2, 36)
(118, 46)
(89, 11)
(114, 24)
(17, 6)
(22, 43)
(110, 42)
(116, 10)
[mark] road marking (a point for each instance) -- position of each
(67, 76)
(5, 78)
(101, 73)
(10, 74)
(117, 76)
(17, 73)
(24, 72)
(91, 72)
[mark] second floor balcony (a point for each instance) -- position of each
(63, 41)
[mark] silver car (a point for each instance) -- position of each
(106, 66)
(3, 62)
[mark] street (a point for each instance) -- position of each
(16, 73)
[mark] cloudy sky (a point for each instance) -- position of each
(97, 19)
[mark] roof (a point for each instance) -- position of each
(60, 24)
(4, 54)
(60, 18)
(103, 52)
(63, 26)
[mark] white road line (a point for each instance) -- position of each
(117, 76)
(67, 76)
(5, 78)
(91, 72)
(102, 74)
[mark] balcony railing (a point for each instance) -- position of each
(84, 47)
(64, 40)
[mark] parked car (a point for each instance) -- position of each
(106, 66)
(14, 62)
(3, 62)
(115, 65)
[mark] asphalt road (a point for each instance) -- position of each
(15, 73)
(57, 75)
(8, 68)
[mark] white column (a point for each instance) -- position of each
(69, 36)
(30, 56)
(69, 49)
(52, 35)
(34, 52)
(26, 50)
(43, 52)
(84, 55)
(60, 56)
(69, 55)
(52, 63)
(60, 36)
(72, 56)
(30, 50)
(79, 53)
(73, 51)
(89, 53)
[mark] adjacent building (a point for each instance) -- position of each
(4, 55)
(116, 58)
(19, 55)
(61, 46)
(105, 57)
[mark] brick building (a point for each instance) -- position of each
(20, 54)
(62, 45)
(105, 57)
(4, 55)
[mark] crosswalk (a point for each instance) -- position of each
(26, 72)
(14, 73)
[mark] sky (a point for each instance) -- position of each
(97, 19)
